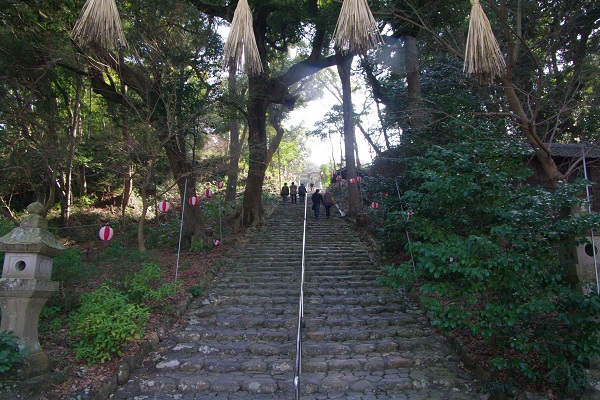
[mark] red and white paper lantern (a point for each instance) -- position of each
(106, 233)
(220, 184)
(338, 178)
(216, 242)
(193, 201)
(352, 180)
(207, 193)
(164, 206)
(358, 178)
(374, 205)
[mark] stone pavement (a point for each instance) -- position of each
(361, 340)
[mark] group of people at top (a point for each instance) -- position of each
(317, 198)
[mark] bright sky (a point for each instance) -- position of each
(321, 151)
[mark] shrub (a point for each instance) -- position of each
(10, 354)
(106, 322)
(484, 246)
(70, 269)
(147, 285)
(196, 290)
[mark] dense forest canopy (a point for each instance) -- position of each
(162, 119)
(79, 120)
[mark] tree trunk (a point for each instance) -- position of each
(142, 220)
(193, 220)
(344, 68)
(413, 84)
(127, 188)
(252, 209)
(528, 128)
(75, 127)
(234, 141)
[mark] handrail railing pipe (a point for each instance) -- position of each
(300, 310)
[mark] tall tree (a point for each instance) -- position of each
(344, 70)
(276, 24)
(167, 80)
(548, 49)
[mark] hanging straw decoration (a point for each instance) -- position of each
(356, 29)
(240, 43)
(99, 24)
(483, 57)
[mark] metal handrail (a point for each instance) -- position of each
(300, 311)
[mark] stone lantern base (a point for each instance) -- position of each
(21, 301)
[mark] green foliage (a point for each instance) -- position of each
(10, 354)
(70, 269)
(196, 290)
(168, 232)
(51, 318)
(485, 247)
(198, 246)
(146, 285)
(105, 323)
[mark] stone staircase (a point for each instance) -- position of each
(360, 340)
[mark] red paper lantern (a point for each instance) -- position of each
(352, 180)
(216, 242)
(193, 201)
(164, 206)
(338, 178)
(207, 193)
(220, 184)
(106, 233)
(358, 178)
(375, 205)
(343, 184)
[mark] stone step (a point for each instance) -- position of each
(360, 340)
(351, 384)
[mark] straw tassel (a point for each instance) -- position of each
(356, 29)
(241, 43)
(99, 24)
(483, 57)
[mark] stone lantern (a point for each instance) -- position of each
(26, 285)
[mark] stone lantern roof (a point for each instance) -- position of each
(32, 235)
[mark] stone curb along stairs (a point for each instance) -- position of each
(361, 340)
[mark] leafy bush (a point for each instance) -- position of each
(196, 290)
(147, 285)
(105, 323)
(120, 254)
(51, 318)
(10, 354)
(484, 246)
(165, 233)
(69, 268)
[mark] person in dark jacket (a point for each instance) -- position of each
(302, 192)
(293, 192)
(328, 201)
(317, 200)
(285, 192)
